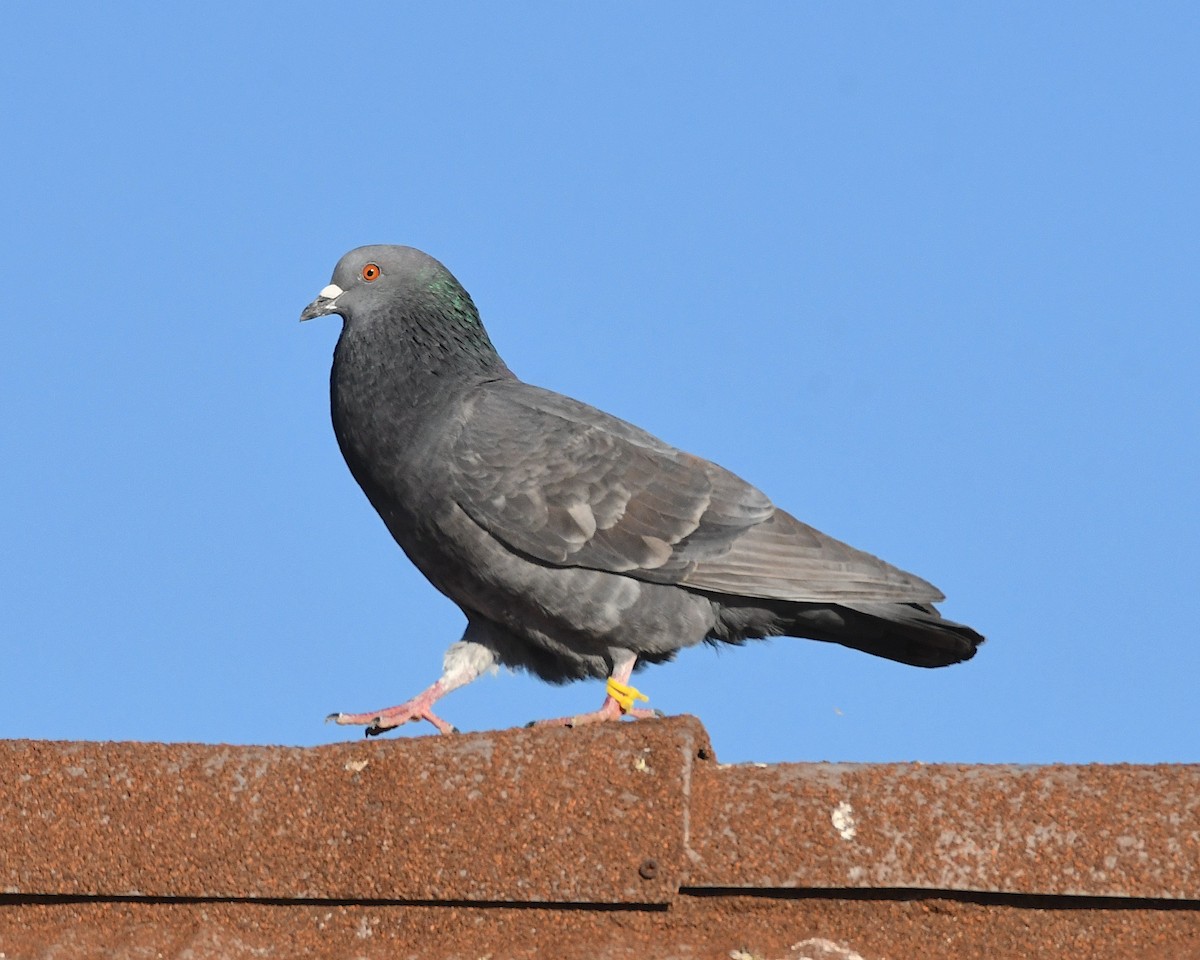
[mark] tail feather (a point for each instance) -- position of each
(912, 633)
(906, 632)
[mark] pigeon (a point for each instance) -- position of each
(576, 544)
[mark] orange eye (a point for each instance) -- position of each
(370, 272)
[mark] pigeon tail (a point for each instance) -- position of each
(911, 633)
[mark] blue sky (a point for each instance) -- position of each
(924, 273)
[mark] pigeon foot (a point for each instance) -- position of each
(617, 704)
(464, 661)
(610, 710)
(379, 721)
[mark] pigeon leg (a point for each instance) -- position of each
(464, 661)
(418, 708)
(618, 702)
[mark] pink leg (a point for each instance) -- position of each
(418, 708)
(611, 709)
(464, 662)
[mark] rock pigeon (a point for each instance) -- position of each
(577, 544)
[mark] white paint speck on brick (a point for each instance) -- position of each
(843, 820)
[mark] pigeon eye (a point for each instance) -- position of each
(370, 272)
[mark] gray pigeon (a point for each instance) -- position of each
(576, 544)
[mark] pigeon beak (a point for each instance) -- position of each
(325, 303)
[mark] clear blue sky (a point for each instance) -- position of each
(928, 274)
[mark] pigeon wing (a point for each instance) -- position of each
(569, 485)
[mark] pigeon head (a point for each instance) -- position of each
(386, 279)
(403, 296)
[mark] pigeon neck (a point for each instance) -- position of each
(443, 335)
(415, 357)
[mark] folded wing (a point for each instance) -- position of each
(567, 484)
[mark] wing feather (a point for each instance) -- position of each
(567, 484)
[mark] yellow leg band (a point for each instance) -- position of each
(624, 694)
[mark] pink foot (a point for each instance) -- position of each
(376, 722)
(609, 710)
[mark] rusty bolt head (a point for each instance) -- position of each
(649, 869)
